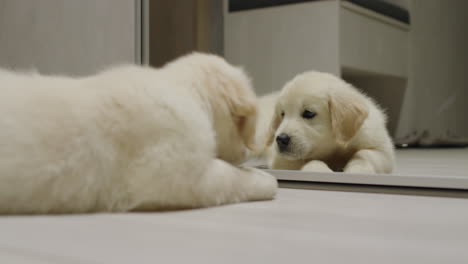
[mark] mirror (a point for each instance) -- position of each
(409, 56)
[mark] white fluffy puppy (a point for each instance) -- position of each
(130, 138)
(321, 123)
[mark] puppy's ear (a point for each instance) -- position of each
(274, 124)
(246, 125)
(348, 111)
(238, 96)
(243, 107)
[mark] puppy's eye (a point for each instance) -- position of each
(308, 114)
(282, 114)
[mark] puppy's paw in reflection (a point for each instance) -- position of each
(359, 168)
(316, 166)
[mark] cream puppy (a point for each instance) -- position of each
(318, 122)
(130, 138)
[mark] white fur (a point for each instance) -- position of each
(348, 133)
(130, 138)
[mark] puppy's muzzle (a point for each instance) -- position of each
(282, 140)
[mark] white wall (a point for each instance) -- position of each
(67, 36)
(436, 98)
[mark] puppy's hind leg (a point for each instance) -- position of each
(222, 183)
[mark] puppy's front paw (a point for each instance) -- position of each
(316, 166)
(262, 185)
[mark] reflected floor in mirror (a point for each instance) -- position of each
(429, 162)
(436, 162)
(415, 168)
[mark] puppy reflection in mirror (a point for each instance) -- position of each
(320, 123)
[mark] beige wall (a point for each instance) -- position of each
(438, 85)
(67, 36)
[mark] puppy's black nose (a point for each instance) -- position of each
(283, 141)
